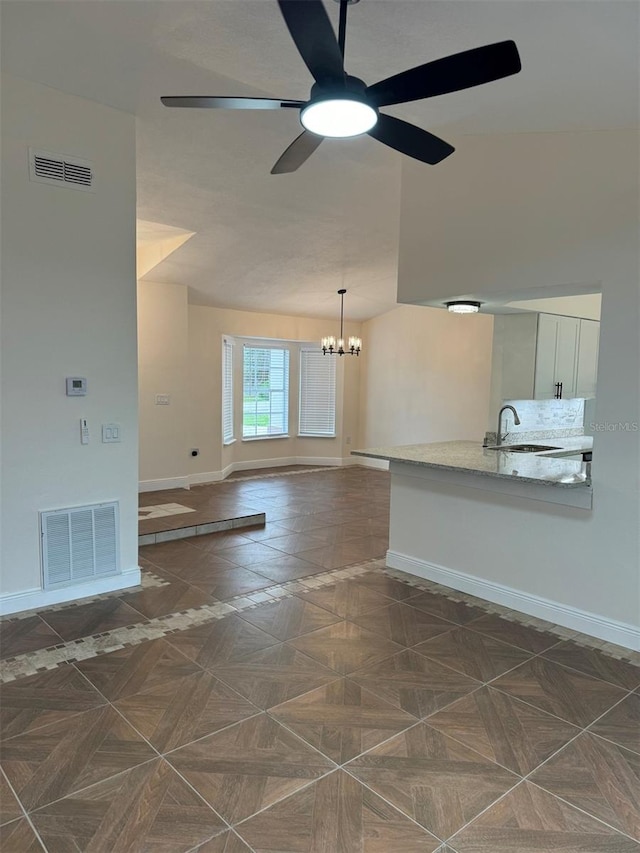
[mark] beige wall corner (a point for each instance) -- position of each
(155, 242)
(426, 377)
(163, 370)
(585, 305)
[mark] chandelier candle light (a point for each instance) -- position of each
(332, 347)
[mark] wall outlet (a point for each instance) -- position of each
(163, 399)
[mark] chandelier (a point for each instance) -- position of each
(332, 347)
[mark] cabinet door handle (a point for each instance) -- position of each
(560, 391)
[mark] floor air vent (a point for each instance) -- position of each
(79, 544)
(60, 170)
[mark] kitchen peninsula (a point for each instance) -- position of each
(493, 523)
(548, 467)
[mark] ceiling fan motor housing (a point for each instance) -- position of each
(352, 87)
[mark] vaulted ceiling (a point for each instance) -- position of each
(286, 243)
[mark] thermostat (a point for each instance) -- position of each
(76, 386)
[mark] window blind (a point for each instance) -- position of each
(265, 391)
(227, 390)
(317, 399)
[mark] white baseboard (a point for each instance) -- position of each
(368, 462)
(592, 624)
(276, 462)
(36, 599)
(280, 461)
(210, 476)
(161, 485)
(218, 476)
(320, 461)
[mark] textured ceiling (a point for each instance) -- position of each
(287, 243)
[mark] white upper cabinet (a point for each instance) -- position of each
(543, 356)
(557, 357)
(588, 358)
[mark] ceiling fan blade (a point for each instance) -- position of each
(410, 140)
(300, 150)
(209, 103)
(450, 74)
(315, 38)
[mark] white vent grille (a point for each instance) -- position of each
(60, 170)
(79, 544)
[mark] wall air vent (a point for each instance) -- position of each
(79, 544)
(60, 170)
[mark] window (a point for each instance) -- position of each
(263, 376)
(227, 390)
(265, 391)
(317, 401)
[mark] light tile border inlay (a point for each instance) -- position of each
(151, 629)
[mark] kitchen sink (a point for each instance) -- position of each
(524, 448)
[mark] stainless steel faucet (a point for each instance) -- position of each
(516, 420)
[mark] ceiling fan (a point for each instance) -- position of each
(342, 106)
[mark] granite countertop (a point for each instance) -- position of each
(547, 468)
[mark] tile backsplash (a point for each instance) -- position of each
(546, 416)
(544, 419)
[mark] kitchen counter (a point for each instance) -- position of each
(549, 468)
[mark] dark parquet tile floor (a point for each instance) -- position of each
(356, 714)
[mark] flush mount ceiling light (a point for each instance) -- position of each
(463, 306)
(332, 347)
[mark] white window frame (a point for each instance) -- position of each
(228, 429)
(283, 348)
(316, 404)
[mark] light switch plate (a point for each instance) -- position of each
(111, 433)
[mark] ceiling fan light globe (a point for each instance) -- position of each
(339, 118)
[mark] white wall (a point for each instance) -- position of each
(68, 309)
(426, 376)
(163, 365)
(524, 554)
(513, 360)
(520, 216)
(545, 212)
